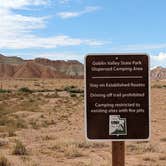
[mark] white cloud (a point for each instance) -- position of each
(155, 60)
(17, 31)
(88, 9)
(18, 4)
(64, 1)
(50, 42)
(160, 57)
(158, 60)
(15, 25)
(140, 47)
(67, 14)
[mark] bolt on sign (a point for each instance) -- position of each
(117, 97)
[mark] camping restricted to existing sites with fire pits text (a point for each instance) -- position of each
(117, 96)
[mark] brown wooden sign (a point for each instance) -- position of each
(117, 97)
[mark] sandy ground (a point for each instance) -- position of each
(50, 125)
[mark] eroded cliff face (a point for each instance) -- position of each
(39, 68)
(69, 68)
(15, 67)
(159, 73)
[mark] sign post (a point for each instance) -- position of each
(117, 100)
(118, 153)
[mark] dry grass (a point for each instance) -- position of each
(72, 151)
(79, 144)
(142, 148)
(11, 132)
(40, 84)
(163, 139)
(19, 148)
(149, 159)
(4, 161)
(50, 123)
(162, 157)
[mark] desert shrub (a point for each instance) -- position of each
(44, 124)
(11, 132)
(3, 121)
(4, 91)
(4, 109)
(164, 86)
(6, 121)
(162, 158)
(4, 161)
(36, 84)
(20, 123)
(156, 86)
(59, 90)
(32, 107)
(25, 90)
(42, 116)
(147, 158)
(82, 95)
(72, 151)
(12, 122)
(151, 148)
(69, 149)
(44, 90)
(73, 89)
(19, 148)
(34, 124)
(76, 90)
(132, 148)
(31, 100)
(163, 139)
(88, 145)
(68, 88)
(73, 95)
(3, 142)
(53, 95)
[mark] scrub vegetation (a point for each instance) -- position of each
(42, 124)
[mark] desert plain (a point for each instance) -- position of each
(42, 124)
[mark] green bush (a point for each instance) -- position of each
(73, 95)
(4, 91)
(69, 88)
(19, 148)
(25, 90)
(76, 90)
(44, 90)
(73, 89)
(82, 95)
(158, 86)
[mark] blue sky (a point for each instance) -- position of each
(69, 29)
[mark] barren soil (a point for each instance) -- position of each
(48, 122)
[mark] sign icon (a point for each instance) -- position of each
(117, 125)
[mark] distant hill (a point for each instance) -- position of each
(15, 67)
(69, 68)
(158, 73)
(10, 60)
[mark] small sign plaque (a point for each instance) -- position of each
(117, 97)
